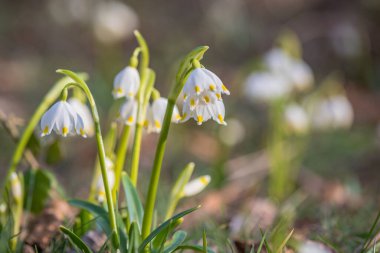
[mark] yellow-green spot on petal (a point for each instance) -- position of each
(65, 130)
(184, 96)
(177, 117)
(206, 99)
(81, 131)
(220, 118)
(199, 119)
(197, 89)
(192, 102)
(46, 130)
(203, 180)
(212, 87)
(130, 119)
(119, 90)
(157, 124)
(131, 94)
(224, 88)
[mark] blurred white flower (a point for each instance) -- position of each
(202, 95)
(70, 11)
(233, 133)
(196, 186)
(128, 112)
(85, 113)
(297, 72)
(63, 119)
(16, 187)
(126, 83)
(296, 119)
(3, 208)
(334, 112)
(313, 247)
(114, 21)
(266, 87)
(101, 194)
(156, 112)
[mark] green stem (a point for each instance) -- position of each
(49, 98)
(120, 158)
(157, 164)
(184, 70)
(136, 153)
(101, 151)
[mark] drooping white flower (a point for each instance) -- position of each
(128, 111)
(295, 71)
(266, 87)
(196, 186)
(16, 187)
(100, 190)
(63, 119)
(331, 113)
(156, 113)
(113, 21)
(85, 113)
(202, 96)
(3, 208)
(296, 119)
(126, 83)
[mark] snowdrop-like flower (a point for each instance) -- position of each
(85, 113)
(101, 194)
(63, 119)
(334, 112)
(16, 187)
(126, 83)
(296, 119)
(202, 96)
(3, 208)
(196, 186)
(266, 87)
(295, 71)
(156, 113)
(128, 111)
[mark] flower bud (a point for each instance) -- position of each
(16, 187)
(196, 186)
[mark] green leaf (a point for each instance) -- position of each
(178, 238)
(134, 238)
(197, 53)
(101, 213)
(37, 185)
(182, 180)
(162, 227)
(134, 206)
(75, 240)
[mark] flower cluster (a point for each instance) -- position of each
(202, 97)
(283, 75)
(65, 120)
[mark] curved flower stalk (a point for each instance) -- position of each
(185, 69)
(63, 119)
(156, 114)
(202, 96)
(78, 82)
(85, 113)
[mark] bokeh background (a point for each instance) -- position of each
(94, 36)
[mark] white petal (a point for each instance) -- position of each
(48, 119)
(66, 119)
(217, 84)
(128, 111)
(126, 83)
(196, 82)
(196, 186)
(85, 114)
(218, 112)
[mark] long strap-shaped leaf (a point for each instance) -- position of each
(178, 238)
(75, 240)
(135, 208)
(163, 226)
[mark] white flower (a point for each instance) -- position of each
(128, 111)
(232, 134)
(313, 247)
(63, 119)
(156, 112)
(101, 194)
(202, 96)
(334, 112)
(266, 87)
(85, 113)
(16, 187)
(295, 71)
(3, 208)
(296, 119)
(196, 186)
(113, 21)
(126, 83)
